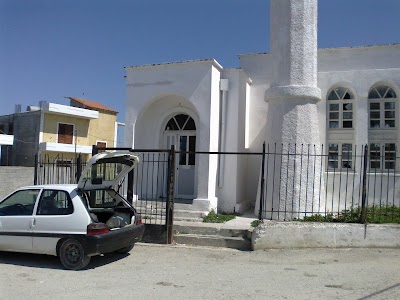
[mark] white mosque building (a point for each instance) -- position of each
(294, 94)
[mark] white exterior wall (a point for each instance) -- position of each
(232, 194)
(356, 68)
(156, 93)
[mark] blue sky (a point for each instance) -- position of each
(50, 49)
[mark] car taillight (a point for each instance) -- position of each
(97, 228)
(138, 220)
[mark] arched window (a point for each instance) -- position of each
(382, 112)
(340, 108)
(180, 122)
(340, 102)
(382, 107)
(182, 129)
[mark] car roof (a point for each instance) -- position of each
(66, 187)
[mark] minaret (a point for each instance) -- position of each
(292, 119)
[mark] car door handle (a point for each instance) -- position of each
(32, 223)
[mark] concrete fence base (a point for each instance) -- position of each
(284, 235)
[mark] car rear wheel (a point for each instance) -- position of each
(72, 255)
(125, 249)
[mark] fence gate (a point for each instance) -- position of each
(150, 188)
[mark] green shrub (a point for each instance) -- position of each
(374, 215)
(255, 223)
(212, 217)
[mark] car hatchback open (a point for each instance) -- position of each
(74, 222)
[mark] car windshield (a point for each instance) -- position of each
(19, 203)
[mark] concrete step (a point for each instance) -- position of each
(187, 219)
(220, 229)
(160, 205)
(213, 241)
(178, 213)
(213, 235)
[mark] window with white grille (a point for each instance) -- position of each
(382, 108)
(340, 108)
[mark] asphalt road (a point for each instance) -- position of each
(171, 272)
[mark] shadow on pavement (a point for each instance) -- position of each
(52, 262)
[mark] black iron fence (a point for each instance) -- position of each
(150, 186)
(337, 184)
(57, 170)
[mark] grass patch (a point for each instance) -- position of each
(212, 217)
(375, 215)
(255, 223)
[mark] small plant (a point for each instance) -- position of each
(255, 223)
(212, 217)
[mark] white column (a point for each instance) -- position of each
(292, 119)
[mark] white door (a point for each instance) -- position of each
(55, 218)
(182, 135)
(16, 220)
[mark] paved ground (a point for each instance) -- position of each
(165, 272)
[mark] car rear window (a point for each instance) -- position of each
(100, 199)
(55, 202)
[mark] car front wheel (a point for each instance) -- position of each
(125, 249)
(72, 255)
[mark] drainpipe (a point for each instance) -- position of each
(223, 86)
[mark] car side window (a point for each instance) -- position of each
(54, 202)
(20, 203)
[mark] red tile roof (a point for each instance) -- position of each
(92, 105)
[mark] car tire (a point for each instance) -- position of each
(72, 255)
(125, 249)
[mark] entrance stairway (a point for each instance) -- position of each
(189, 229)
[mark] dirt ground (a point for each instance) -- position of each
(172, 272)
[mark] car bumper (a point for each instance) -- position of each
(113, 240)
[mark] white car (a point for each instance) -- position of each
(77, 221)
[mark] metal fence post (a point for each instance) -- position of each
(129, 192)
(170, 195)
(35, 175)
(94, 150)
(78, 167)
(262, 184)
(363, 214)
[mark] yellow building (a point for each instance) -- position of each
(67, 131)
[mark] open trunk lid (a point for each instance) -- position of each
(105, 170)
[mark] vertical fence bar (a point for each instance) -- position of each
(266, 186)
(273, 183)
(94, 150)
(262, 184)
(35, 175)
(78, 167)
(306, 189)
(294, 178)
(354, 176)
(364, 187)
(170, 197)
(300, 172)
(320, 178)
(280, 180)
(129, 193)
(394, 181)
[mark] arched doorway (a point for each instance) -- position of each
(180, 131)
